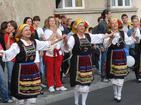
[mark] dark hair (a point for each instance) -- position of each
(133, 16)
(90, 29)
(14, 24)
(36, 18)
(72, 23)
(106, 11)
(123, 15)
(3, 27)
(99, 18)
(25, 19)
(63, 16)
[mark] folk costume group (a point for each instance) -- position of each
(26, 81)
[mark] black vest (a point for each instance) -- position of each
(120, 44)
(82, 46)
(27, 53)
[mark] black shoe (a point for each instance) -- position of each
(115, 99)
(118, 101)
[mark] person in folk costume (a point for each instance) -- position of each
(81, 66)
(116, 65)
(26, 81)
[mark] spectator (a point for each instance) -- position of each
(90, 30)
(102, 28)
(3, 87)
(54, 56)
(63, 21)
(9, 40)
(68, 23)
(135, 47)
(36, 22)
(126, 26)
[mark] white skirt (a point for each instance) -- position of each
(118, 82)
(81, 88)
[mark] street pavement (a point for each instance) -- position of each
(48, 98)
(131, 95)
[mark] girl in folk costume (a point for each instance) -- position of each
(81, 66)
(116, 65)
(26, 81)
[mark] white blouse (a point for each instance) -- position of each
(95, 39)
(14, 49)
(47, 35)
(128, 40)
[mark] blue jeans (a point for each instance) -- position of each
(99, 62)
(9, 66)
(103, 60)
(41, 67)
(3, 87)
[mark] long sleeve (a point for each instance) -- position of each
(42, 45)
(11, 52)
(129, 40)
(70, 43)
(96, 38)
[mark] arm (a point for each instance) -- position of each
(10, 53)
(7, 40)
(130, 40)
(69, 43)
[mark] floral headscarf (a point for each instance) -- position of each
(74, 30)
(19, 31)
(120, 25)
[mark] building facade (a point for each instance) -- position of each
(89, 10)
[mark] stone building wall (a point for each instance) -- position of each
(19, 9)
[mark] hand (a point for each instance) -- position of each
(62, 37)
(55, 29)
(65, 40)
(137, 39)
(41, 54)
(11, 35)
(102, 49)
(94, 46)
(111, 34)
(1, 53)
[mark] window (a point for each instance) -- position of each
(71, 4)
(121, 3)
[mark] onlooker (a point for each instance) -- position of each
(9, 40)
(71, 33)
(96, 50)
(54, 56)
(3, 87)
(90, 30)
(68, 23)
(135, 48)
(36, 22)
(63, 21)
(126, 26)
(102, 28)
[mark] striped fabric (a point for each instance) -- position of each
(118, 63)
(84, 69)
(29, 79)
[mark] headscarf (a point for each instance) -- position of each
(76, 23)
(19, 31)
(120, 25)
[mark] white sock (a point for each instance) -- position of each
(76, 96)
(115, 87)
(119, 92)
(84, 97)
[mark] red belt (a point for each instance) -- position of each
(57, 51)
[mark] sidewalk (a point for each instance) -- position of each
(48, 97)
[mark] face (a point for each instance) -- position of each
(81, 28)
(135, 22)
(109, 15)
(52, 22)
(26, 32)
(10, 28)
(36, 23)
(29, 22)
(6, 30)
(69, 23)
(114, 25)
(125, 19)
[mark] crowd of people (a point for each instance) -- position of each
(65, 46)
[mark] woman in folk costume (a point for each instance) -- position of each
(116, 65)
(81, 66)
(26, 81)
